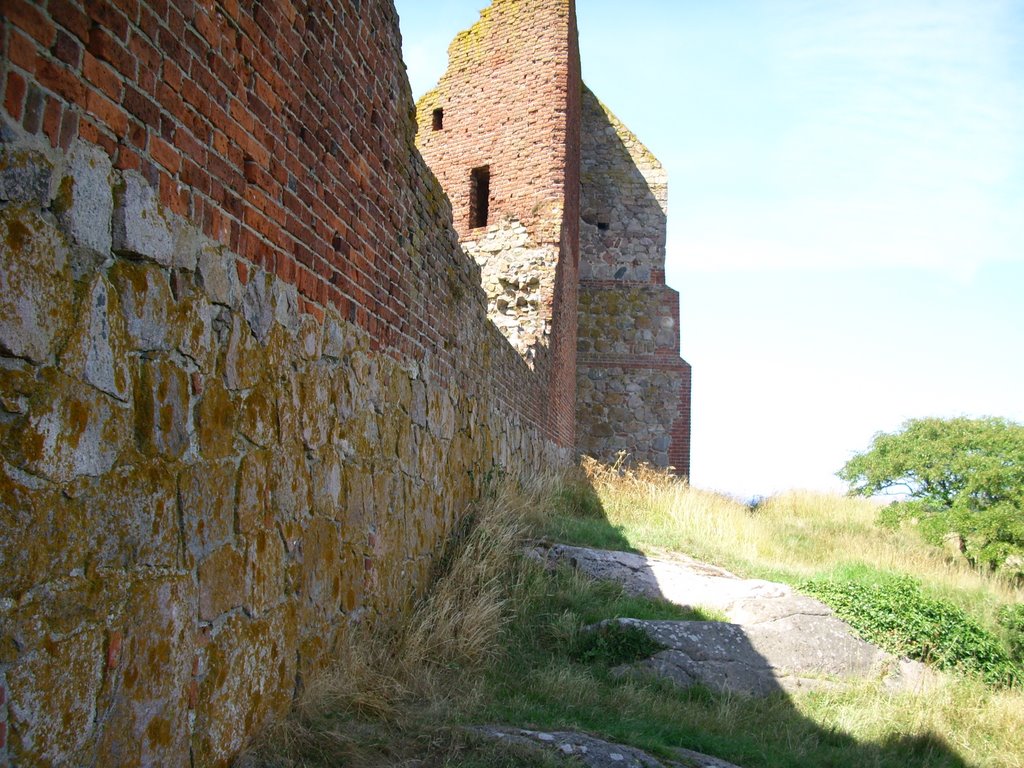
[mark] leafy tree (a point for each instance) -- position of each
(963, 475)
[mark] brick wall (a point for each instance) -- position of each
(509, 102)
(633, 388)
(247, 384)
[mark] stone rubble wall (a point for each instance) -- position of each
(247, 382)
(519, 280)
(628, 319)
(633, 389)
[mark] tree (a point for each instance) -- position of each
(963, 475)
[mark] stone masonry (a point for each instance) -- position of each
(633, 388)
(576, 210)
(247, 381)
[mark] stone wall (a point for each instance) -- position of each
(633, 388)
(519, 280)
(247, 383)
(509, 102)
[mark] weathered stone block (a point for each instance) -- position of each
(310, 335)
(290, 489)
(321, 568)
(133, 518)
(257, 416)
(285, 299)
(253, 498)
(162, 412)
(52, 710)
(249, 679)
(441, 414)
(257, 306)
(26, 508)
(85, 201)
(207, 493)
(339, 341)
(25, 177)
(328, 486)
(218, 275)
(221, 582)
(264, 571)
(195, 324)
(147, 303)
(71, 430)
(244, 360)
(289, 406)
(97, 349)
(149, 666)
(37, 298)
(316, 387)
(141, 229)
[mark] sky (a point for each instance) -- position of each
(846, 210)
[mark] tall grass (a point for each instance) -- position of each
(394, 691)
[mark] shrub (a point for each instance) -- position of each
(1011, 618)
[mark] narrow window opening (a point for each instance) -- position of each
(479, 196)
(603, 226)
(438, 119)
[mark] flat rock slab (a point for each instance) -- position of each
(775, 638)
(593, 752)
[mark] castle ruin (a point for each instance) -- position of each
(255, 362)
(564, 210)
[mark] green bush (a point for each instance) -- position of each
(891, 611)
(1011, 618)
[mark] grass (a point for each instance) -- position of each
(499, 639)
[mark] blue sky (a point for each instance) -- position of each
(846, 209)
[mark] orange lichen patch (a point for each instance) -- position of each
(215, 421)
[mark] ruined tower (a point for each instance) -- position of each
(564, 210)
(633, 387)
